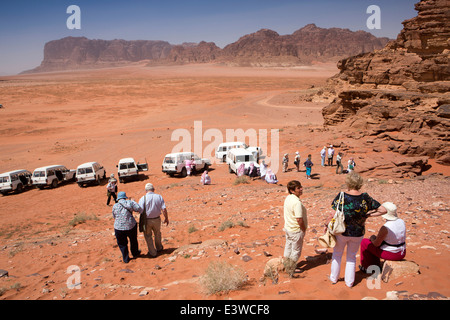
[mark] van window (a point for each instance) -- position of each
(4, 179)
(50, 173)
(244, 158)
(129, 165)
(14, 177)
(38, 174)
(169, 160)
(84, 170)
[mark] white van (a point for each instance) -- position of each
(52, 176)
(90, 172)
(129, 169)
(16, 180)
(222, 149)
(235, 157)
(173, 163)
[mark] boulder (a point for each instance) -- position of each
(395, 269)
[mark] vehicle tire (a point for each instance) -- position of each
(80, 185)
(224, 159)
(19, 188)
(229, 169)
(183, 172)
(54, 183)
(104, 175)
(97, 180)
(206, 167)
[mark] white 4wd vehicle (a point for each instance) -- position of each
(174, 163)
(235, 157)
(129, 169)
(52, 176)
(16, 180)
(222, 149)
(90, 172)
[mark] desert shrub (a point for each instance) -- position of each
(192, 228)
(81, 218)
(289, 266)
(222, 277)
(226, 224)
(241, 180)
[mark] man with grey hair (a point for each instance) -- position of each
(154, 205)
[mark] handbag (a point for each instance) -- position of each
(337, 224)
(327, 240)
(143, 219)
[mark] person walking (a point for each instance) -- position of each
(388, 244)
(339, 163)
(125, 226)
(111, 189)
(154, 206)
(358, 207)
(295, 224)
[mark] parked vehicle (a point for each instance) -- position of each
(128, 169)
(222, 149)
(235, 157)
(173, 163)
(17, 181)
(90, 172)
(52, 176)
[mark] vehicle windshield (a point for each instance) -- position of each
(4, 179)
(38, 174)
(169, 160)
(129, 165)
(85, 170)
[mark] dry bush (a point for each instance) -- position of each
(222, 277)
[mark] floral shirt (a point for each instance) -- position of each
(123, 214)
(355, 211)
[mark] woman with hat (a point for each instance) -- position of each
(389, 244)
(125, 226)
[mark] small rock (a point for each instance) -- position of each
(3, 273)
(143, 293)
(246, 258)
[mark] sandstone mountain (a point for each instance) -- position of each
(400, 95)
(265, 47)
(310, 43)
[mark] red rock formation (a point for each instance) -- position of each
(402, 88)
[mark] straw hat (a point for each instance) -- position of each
(327, 240)
(391, 211)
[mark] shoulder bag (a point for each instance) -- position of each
(143, 218)
(337, 224)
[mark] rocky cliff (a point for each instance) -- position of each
(265, 47)
(400, 94)
(304, 46)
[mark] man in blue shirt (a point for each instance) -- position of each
(125, 226)
(154, 206)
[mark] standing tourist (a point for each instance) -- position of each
(125, 226)
(358, 207)
(154, 206)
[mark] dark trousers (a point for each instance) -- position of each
(122, 237)
(111, 194)
(339, 166)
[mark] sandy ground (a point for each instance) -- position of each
(70, 118)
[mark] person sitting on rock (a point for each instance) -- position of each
(389, 244)
(271, 177)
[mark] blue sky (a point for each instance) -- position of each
(26, 25)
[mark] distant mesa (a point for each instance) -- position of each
(262, 48)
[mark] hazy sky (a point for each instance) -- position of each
(26, 25)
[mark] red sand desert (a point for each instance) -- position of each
(70, 118)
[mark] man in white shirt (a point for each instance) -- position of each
(330, 155)
(295, 222)
(154, 207)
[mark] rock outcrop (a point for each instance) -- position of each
(80, 52)
(262, 48)
(304, 46)
(402, 89)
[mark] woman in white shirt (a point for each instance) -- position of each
(389, 244)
